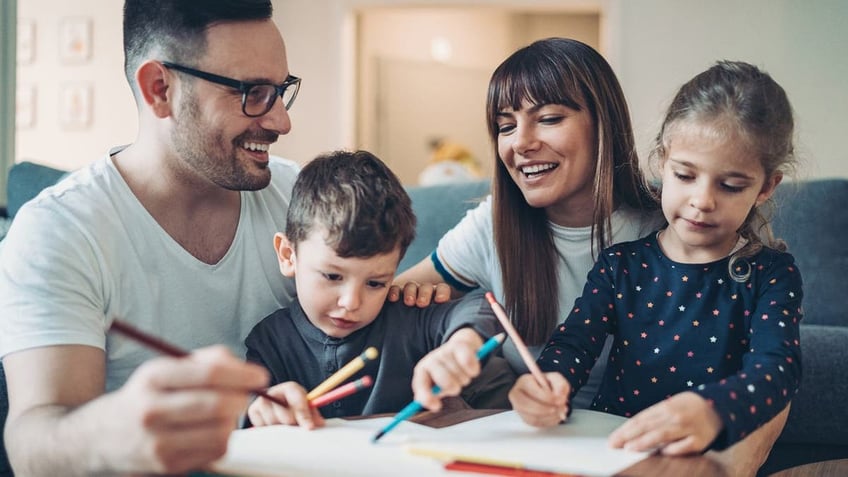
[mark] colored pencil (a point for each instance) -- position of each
(412, 408)
(342, 392)
(164, 347)
(490, 469)
(528, 359)
(345, 372)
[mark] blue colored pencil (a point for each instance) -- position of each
(412, 408)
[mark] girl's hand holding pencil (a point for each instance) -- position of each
(540, 399)
(541, 405)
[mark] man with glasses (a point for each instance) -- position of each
(173, 234)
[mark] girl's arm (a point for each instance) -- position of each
(722, 413)
(577, 342)
(771, 369)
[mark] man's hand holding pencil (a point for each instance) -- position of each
(285, 403)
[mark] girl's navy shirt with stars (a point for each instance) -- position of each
(686, 327)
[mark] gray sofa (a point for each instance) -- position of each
(808, 218)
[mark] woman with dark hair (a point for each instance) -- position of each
(567, 184)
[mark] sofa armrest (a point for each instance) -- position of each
(818, 414)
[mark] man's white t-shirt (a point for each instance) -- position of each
(85, 252)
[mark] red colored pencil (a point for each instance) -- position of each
(342, 392)
(490, 469)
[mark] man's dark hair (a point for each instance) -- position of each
(357, 199)
(176, 29)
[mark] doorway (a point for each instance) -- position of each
(422, 102)
(422, 75)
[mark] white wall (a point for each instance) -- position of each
(657, 45)
(406, 97)
(654, 45)
(113, 113)
(320, 37)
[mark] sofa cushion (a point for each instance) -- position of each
(438, 208)
(26, 180)
(812, 222)
(818, 414)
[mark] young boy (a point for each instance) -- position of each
(349, 223)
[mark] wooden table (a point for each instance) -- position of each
(824, 468)
(655, 465)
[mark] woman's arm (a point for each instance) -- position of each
(421, 285)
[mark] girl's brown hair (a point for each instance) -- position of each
(736, 101)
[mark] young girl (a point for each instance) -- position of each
(704, 313)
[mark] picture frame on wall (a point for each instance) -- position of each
(25, 106)
(75, 38)
(26, 41)
(75, 105)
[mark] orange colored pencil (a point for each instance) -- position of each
(528, 359)
(342, 392)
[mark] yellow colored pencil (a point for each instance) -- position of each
(345, 372)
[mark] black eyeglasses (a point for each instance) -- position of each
(256, 98)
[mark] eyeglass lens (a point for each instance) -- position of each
(259, 99)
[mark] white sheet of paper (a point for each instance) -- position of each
(345, 448)
(578, 447)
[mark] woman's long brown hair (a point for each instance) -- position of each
(571, 73)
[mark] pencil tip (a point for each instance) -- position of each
(377, 437)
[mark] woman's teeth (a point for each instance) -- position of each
(537, 168)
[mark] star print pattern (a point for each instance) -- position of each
(735, 344)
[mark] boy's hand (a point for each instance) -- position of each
(420, 294)
(682, 424)
(450, 366)
(541, 406)
(263, 412)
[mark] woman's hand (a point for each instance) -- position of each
(421, 285)
(682, 424)
(538, 405)
(420, 294)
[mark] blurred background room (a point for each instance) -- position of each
(398, 76)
